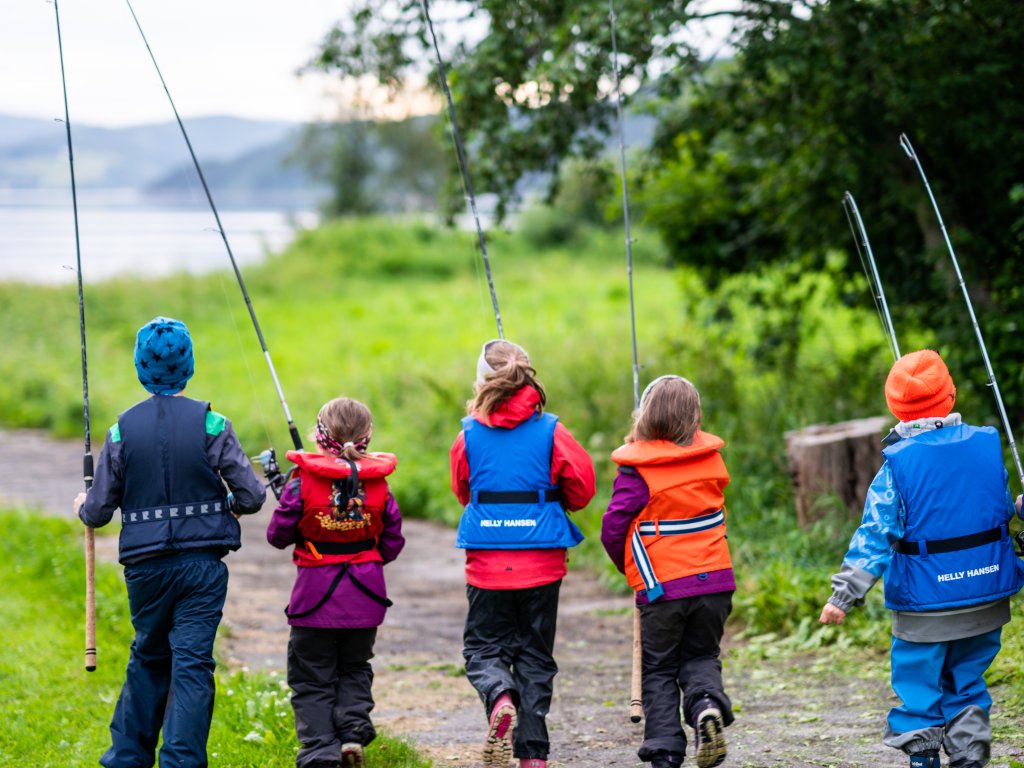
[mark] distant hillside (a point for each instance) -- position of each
(33, 153)
(264, 176)
(247, 163)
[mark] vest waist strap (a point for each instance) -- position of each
(342, 547)
(516, 497)
(954, 544)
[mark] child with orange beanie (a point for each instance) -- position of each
(936, 524)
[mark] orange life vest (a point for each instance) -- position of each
(338, 526)
(682, 528)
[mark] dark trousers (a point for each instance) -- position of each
(680, 640)
(508, 644)
(331, 680)
(176, 605)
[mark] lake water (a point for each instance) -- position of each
(123, 234)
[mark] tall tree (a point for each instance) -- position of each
(753, 153)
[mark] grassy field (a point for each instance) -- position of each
(57, 714)
(393, 312)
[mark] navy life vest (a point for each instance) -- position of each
(173, 499)
(956, 551)
(513, 503)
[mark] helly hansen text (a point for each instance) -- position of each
(968, 574)
(523, 523)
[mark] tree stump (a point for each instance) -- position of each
(837, 461)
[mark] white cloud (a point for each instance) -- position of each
(235, 57)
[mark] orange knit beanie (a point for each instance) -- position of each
(919, 386)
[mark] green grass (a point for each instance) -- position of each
(57, 714)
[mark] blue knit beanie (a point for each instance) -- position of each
(163, 356)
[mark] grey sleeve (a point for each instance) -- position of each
(850, 586)
(228, 458)
(104, 497)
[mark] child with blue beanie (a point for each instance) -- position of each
(165, 465)
(936, 524)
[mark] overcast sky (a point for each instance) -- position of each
(235, 57)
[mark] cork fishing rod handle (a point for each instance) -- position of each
(90, 599)
(636, 710)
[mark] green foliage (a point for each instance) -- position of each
(751, 166)
(57, 714)
(534, 88)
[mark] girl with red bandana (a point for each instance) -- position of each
(338, 512)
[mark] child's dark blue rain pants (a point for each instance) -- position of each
(176, 604)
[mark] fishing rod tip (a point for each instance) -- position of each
(905, 144)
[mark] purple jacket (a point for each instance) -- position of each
(629, 496)
(348, 607)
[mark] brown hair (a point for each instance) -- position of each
(512, 372)
(346, 421)
(669, 410)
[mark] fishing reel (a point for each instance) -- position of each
(272, 471)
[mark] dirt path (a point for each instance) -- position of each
(791, 710)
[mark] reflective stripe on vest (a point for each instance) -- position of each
(653, 588)
(171, 511)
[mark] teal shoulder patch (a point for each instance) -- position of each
(215, 423)
(115, 433)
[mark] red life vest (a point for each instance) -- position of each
(682, 528)
(337, 527)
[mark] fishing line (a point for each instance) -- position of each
(909, 149)
(461, 160)
(867, 262)
(296, 440)
(625, 204)
(636, 666)
(87, 463)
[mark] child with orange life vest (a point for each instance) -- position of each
(337, 510)
(517, 470)
(665, 529)
(936, 525)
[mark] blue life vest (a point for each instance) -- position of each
(956, 550)
(513, 504)
(173, 500)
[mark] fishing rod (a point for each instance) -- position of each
(636, 669)
(461, 158)
(87, 463)
(267, 458)
(625, 203)
(909, 149)
(867, 261)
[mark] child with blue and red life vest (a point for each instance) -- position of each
(338, 512)
(665, 529)
(518, 471)
(936, 525)
(165, 464)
